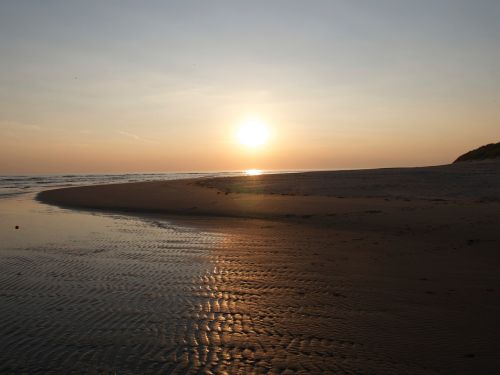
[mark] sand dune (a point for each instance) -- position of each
(487, 152)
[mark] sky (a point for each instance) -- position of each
(158, 86)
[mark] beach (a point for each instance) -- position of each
(375, 271)
(238, 187)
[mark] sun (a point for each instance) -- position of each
(253, 133)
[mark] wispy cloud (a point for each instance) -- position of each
(20, 126)
(134, 136)
(17, 131)
(32, 127)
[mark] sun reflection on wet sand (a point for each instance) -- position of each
(279, 302)
(265, 310)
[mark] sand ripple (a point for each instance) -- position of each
(149, 297)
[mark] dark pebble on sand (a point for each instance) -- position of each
(472, 242)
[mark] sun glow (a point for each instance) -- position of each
(253, 133)
(253, 172)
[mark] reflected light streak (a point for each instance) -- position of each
(253, 172)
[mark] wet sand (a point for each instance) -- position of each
(385, 282)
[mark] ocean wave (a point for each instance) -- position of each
(12, 185)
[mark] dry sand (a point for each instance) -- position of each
(279, 195)
(393, 200)
(379, 271)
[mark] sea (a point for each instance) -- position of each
(26, 184)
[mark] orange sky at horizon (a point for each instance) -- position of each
(126, 152)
